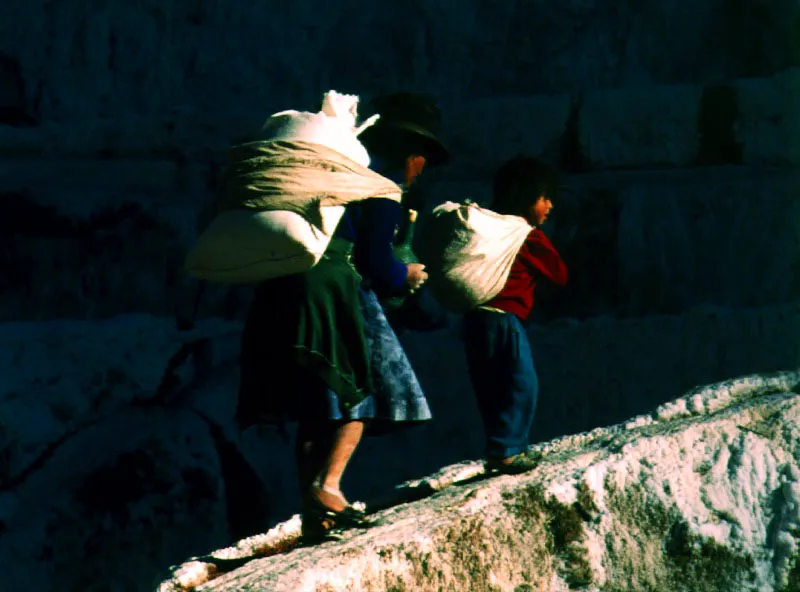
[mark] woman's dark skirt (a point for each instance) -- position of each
(305, 333)
(316, 347)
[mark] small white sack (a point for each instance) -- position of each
(247, 245)
(468, 252)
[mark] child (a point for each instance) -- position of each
(498, 351)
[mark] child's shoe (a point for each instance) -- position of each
(513, 465)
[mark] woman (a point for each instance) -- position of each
(305, 354)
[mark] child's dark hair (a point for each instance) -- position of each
(519, 182)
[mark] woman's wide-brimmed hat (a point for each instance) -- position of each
(405, 113)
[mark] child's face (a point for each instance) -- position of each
(539, 211)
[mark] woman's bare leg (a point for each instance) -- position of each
(327, 484)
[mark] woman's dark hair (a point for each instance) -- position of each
(519, 182)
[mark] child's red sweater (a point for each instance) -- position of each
(537, 258)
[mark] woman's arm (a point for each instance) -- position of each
(373, 249)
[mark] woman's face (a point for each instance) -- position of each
(414, 167)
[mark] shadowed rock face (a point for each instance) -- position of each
(150, 56)
(134, 478)
(94, 461)
(15, 109)
(700, 495)
(84, 263)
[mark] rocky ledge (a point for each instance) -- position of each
(702, 494)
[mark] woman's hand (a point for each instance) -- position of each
(416, 276)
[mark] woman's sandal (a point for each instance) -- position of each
(321, 524)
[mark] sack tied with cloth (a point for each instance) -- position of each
(284, 194)
(468, 252)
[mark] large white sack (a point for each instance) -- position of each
(245, 246)
(468, 252)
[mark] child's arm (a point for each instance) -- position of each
(543, 257)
